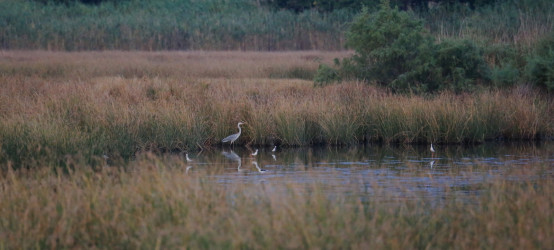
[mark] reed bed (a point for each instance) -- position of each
(519, 23)
(159, 204)
(244, 25)
(167, 25)
(89, 108)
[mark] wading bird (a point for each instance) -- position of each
(274, 149)
(232, 138)
(255, 153)
(432, 149)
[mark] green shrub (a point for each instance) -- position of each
(540, 65)
(506, 64)
(394, 50)
(326, 75)
(462, 65)
(505, 75)
(388, 43)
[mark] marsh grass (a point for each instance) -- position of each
(92, 109)
(166, 25)
(520, 23)
(243, 25)
(158, 204)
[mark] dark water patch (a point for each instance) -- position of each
(390, 173)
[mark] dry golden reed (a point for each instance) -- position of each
(92, 103)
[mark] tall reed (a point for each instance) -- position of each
(521, 23)
(90, 114)
(242, 25)
(166, 25)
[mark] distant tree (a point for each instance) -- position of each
(330, 5)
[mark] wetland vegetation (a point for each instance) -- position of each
(92, 136)
(57, 105)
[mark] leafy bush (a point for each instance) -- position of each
(506, 64)
(461, 65)
(387, 44)
(394, 50)
(505, 75)
(540, 66)
(326, 75)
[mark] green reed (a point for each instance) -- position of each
(242, 25)
(166, 25)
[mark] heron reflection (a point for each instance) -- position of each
(233, 156)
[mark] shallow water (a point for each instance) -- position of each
(390, 172)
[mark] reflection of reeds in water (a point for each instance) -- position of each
(84, 113)
(158, 204)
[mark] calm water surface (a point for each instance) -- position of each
(402, 171)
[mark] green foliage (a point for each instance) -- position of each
(387, 43)
(394, 50)
(461, 65)
(326, 75)
(505, 75)
(540, 67)
(506, 64)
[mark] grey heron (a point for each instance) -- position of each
(232, 138)
(274, 149)
(432, 149)
(255, 153)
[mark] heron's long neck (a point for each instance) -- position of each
(239, 128)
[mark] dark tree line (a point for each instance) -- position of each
(330, 5)
(77, 1)
(322, 5)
